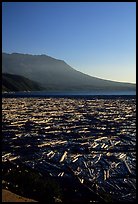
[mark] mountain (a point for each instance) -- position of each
(57, 75)
(14, 83)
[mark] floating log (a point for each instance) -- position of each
(127, 167)
(101, 138)
(63, 156)
(75, 160)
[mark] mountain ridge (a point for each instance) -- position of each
(55, 74)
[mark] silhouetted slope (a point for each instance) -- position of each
(12, 82)
(56, 75)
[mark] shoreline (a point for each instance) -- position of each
(8, 196)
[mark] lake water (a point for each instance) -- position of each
(92, 135)
(68, 94)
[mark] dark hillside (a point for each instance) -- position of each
(12, 82)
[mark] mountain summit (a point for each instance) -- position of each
(57, 75)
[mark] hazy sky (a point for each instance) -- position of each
(95, 38)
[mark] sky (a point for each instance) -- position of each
(98, 39)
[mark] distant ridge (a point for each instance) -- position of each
(57, 75)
